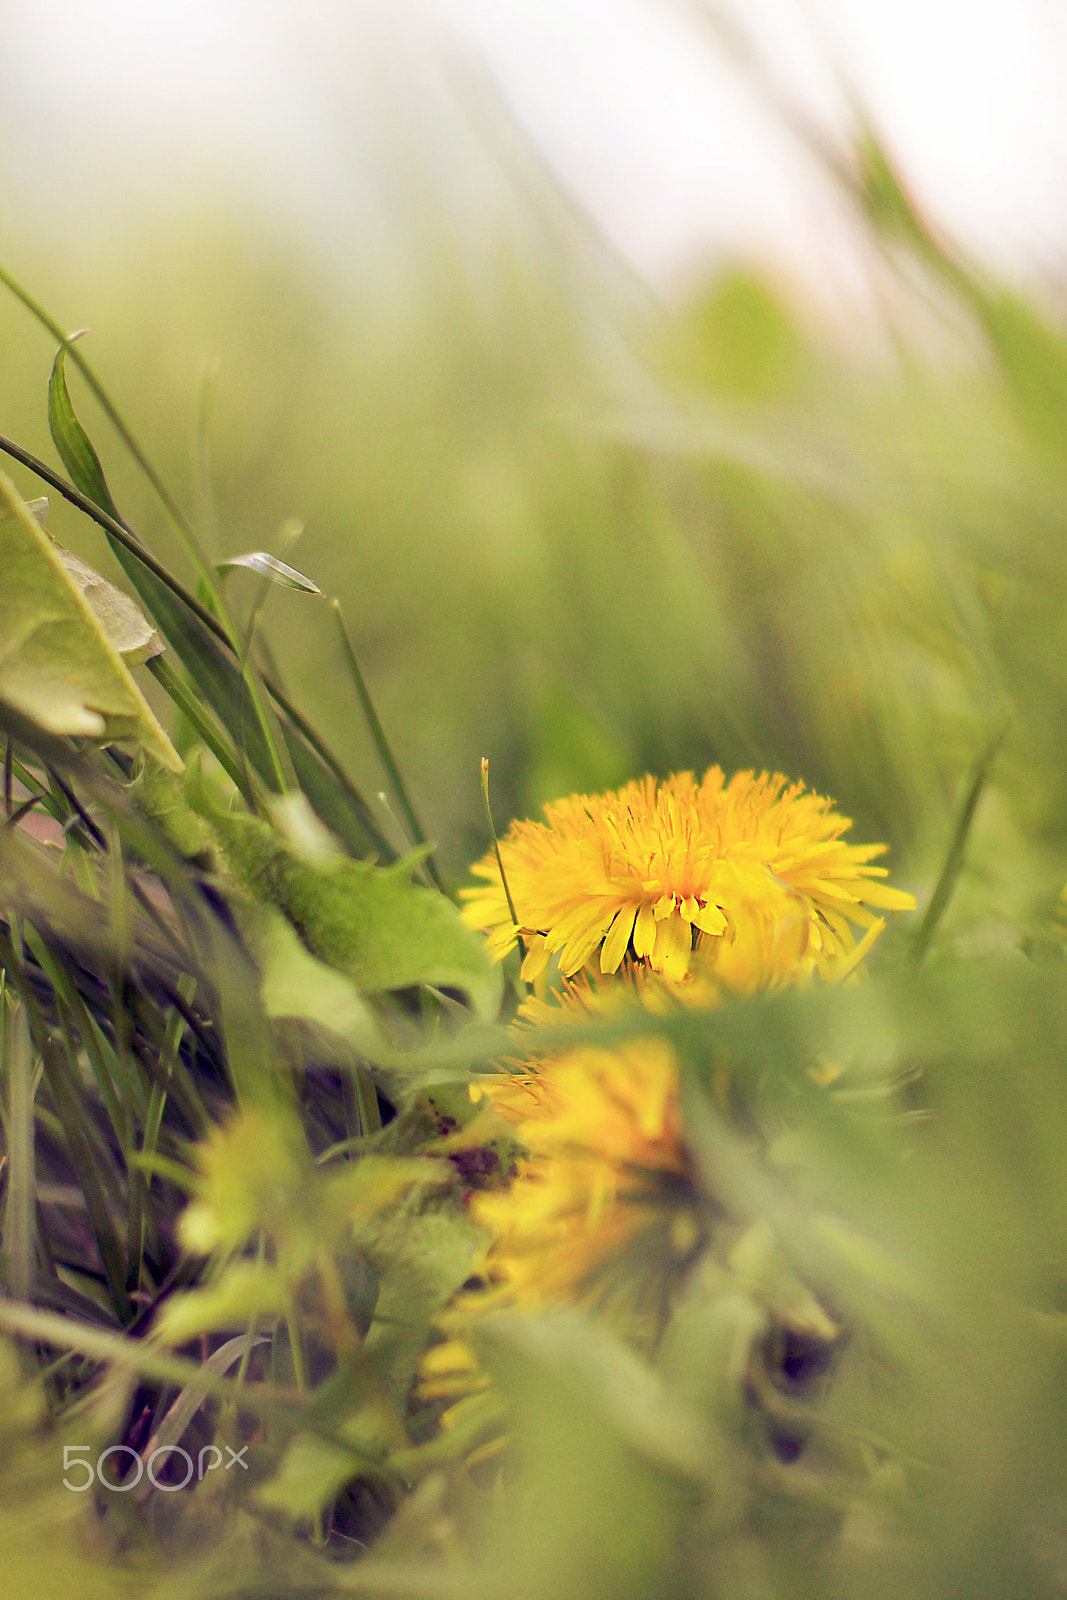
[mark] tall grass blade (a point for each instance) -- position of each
(73, 443)
(957, 849)
(19, 1228)
(382, 745)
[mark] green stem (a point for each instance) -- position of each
(116, 530)
(137, 1355)
(190, 708)
(381, 744)
(20, 1215)
(496, 847)
(953, 865)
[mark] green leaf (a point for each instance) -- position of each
(58, 668)
(372, 924)
(216, 676)
(334, 798)
(349, 1198)
(221, 684)
(295, 984)
(761, 1267)
(312, 1472)
(72, 441)
(611, 1461)
(245, 1290)
(160, 796)
(566, 1361)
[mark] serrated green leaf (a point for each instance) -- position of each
(269, 566)
(57, 666)
(372, 924)
(295, 984)
(73, 443)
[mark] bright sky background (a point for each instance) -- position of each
(284, 101)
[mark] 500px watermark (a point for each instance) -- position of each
(75, 1455)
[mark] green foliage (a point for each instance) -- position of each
(73, 443)
(372, 924)
(59, 668)
(588, 550)
(739, 340)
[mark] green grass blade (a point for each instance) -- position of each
(331, 792)
(382, 745)
(192, 710)
(954, 858)
(333, 796)
(269, 566)
(83, 464)
(171, 509)
(20, 1213)
(105, 1072)
(73, 443)
(74, 1114)
(171, 1075)
(137, 1355)
(115, 529)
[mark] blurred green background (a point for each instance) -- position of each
(589, 534)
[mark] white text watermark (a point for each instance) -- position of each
(79, 1455)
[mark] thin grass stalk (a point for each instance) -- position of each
(115, 530)
(143, 1230)
(248, 668)
(949, 875)
(192, 710)
(173, 1077)
(30, 780)
(20, 1212)
(137, 1355)
(382, 745)
(362, 1111)
(92, 1040)
(73, 1116)
(174, 515)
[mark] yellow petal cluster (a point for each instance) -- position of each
(606, 1162)
(658, 894)
(752, 873)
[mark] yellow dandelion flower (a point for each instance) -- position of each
(753, 873)
(602, 1211)
(606, 1176)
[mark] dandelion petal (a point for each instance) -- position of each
(618, 939)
